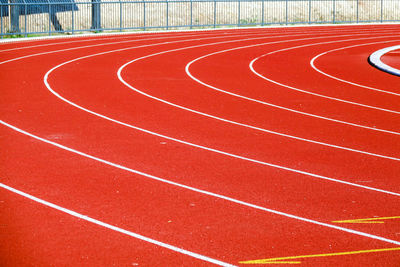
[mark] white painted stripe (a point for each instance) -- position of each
(316, 94)
(187, 69)
(116, 229)
(45, 80)
(204, 192)
(122, 42)
(312, 63)
(375, 59)
(381, 26)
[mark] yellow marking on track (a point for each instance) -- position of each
(369, 220)
(282, 260)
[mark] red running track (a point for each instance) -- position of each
(392, 59)
(227, 147)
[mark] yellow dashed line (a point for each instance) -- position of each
(282, 260)
(368, 220)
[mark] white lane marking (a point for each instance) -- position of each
(309, 92)
(187, 69)
(124, 35)
(375, 59)
(188, 143)
(57, 43)
(119, 42)
(312, 63)
(201, 191)
(297, 33)
(115, 228)
(204, 147)
(45, 80)
(198, 146)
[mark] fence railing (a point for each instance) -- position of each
(28, 17)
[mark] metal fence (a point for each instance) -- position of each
(28, 17)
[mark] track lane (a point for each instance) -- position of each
(40, 236)
(327, 61)
(348, 94)
(53, 116)
(88, 194)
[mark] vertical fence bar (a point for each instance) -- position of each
(25, 22)
(287, 12)
(334, 12)
(144, 15)
(72, 18)
(1, 20)
(14, 16)
(357, 10)
(120, 16)
(381, 11)
(49, 22)
(309, 11)
(167, 11)
(215, 14)
(239, 7)
(191, 14)
(96, 16)
(263, 11)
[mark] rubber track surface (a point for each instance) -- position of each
(201, 147)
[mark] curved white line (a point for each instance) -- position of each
(123, 42)
(194, 145)
(312, 93)
(187, 69)
(375, 59)
(312, 63)
(45, 80)
(115, 228)
(204, 192)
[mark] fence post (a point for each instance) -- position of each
(357, 10)
(49, 22)
(120, 16)
(287, 12)
(144, 15)
(25, 22)
(167, 11)
(262, 14)
(309, 11)
(239, 7)
(334, 12)
(72, 17)
(191, 14)
(215, 13)
(1, 19)
(381, 11)
(96, 16)
(14, 16)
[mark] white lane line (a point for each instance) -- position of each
(312, 93)
(208, 148)
(182, 34)
(201, 191)
(187, 69)
(312, 63)
(120, 42)
(115, 228)
(375, 59)
(227, 34)
(45, 80)
(57, 43)
(198, 146)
